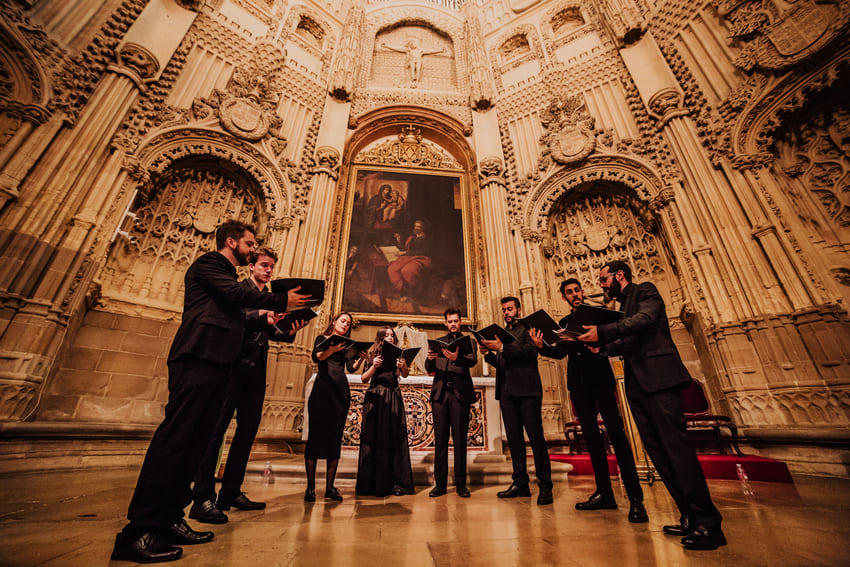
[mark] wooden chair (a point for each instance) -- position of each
(575, 437)
(697, 416)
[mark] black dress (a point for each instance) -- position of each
(384, 463)
(328, 405)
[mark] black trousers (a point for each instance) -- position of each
(245, 394)
(520, 413)
(450, 414)
(587, 402)
(195, 393)
(661, 423)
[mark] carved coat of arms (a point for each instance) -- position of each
(569, 137)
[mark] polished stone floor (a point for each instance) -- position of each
(70, 519)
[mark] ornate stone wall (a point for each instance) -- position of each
(704, 142)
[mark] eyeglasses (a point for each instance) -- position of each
(603, 279)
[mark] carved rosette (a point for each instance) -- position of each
(136, 62)
(667, 104)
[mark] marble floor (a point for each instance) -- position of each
(70, 519)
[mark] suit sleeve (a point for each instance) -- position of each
(222, 284)
(650, 306)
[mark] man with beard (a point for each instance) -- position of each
(520, 395)
(199, 365)
(245, 394)
(655, 376)
(593, 390)
(452, 395)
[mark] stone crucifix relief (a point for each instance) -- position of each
(414, 55)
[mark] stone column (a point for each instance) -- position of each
(54, 222)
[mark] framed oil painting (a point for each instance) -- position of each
(405, 247)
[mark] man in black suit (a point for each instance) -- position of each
(452, 395)
(655, 376)
(593, 390)
(199, 365)
(520, 395)
(245, 394)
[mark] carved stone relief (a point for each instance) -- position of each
(409, 151)
(171, 230)
(413, 57)
(591, 227)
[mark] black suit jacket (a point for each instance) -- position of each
(213, 322)
(456, 372)
(643, 338)
(584, 368)
(258, 333)
(516, 366)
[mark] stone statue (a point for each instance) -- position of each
(414, 58)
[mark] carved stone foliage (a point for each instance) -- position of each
(569, 137)
(481, 96)
(587, 229)
(814, 150)
(171, 230)
(775, 34)
(28, 59)
(411, 151)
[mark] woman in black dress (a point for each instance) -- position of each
(384, 464)
(328, 406)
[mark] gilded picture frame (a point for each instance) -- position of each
(404, 252)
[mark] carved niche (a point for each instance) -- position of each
(171, 230)
(413, 56)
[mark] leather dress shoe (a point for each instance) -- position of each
(597, 502)
(398, 491)
(240, 502)
(207, 513)
(637, 513)
(704, 538)
(462, 491)
(683, 528)
(179, 533)
(437, 491)
(545, 497)
(333, 494)
(146, 548)
(513, 491)
(310, 495)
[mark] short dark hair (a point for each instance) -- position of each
(255, 254)
(567, 282)
(451, 311)
(615, 266)
(510, 298)
(231, 229)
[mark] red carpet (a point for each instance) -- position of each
(714, 466)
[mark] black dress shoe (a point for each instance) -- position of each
(179, 533)
(462, 491)
(398, 491)
(704, 538)
(207, 513)
(146, 548)
(597, 502)
(310, 495)
(333, 494)
(545, 497)
(241, 502)
(683, 528)
(437, 491)
(637, 513)
(513, 491)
